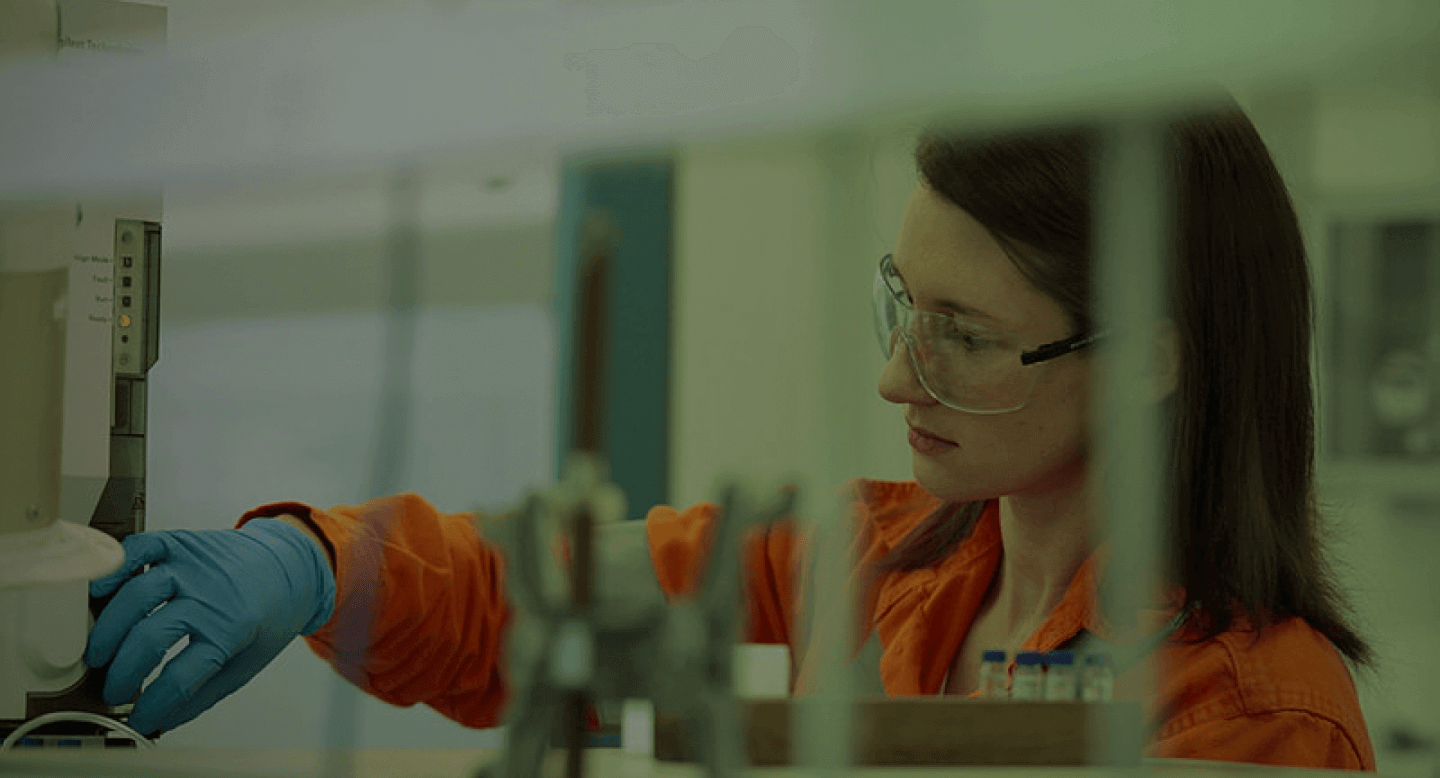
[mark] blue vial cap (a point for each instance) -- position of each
(1060, 658)
(1026, 658)
(1097, 659)
(993, 655)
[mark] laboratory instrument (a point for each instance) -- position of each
(79, 306)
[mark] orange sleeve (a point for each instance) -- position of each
(1290, 738)
(679, 541)
(432, 590)
(774, 560)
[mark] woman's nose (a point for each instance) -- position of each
(898, 382)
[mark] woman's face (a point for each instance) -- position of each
(945, 255)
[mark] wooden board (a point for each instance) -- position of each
(444, 763)
(931, 731)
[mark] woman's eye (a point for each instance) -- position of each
(969, 339)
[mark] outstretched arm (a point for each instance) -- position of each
(431, 590)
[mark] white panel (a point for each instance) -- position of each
(747, 373)
(98, 34)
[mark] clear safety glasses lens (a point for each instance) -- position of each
(964, 370)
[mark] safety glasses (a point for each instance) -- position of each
(962, 365)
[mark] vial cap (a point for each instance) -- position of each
(1097, 660)
(1060, 658)
(993, 655)
(1026, 658)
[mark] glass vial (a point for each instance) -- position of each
(1060, 681)
(1029, 676)
(1098, 681)
(993, 675)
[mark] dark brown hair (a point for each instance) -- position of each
(1245, 532)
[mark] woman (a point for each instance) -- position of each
(984, 310)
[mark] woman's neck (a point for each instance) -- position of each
(1046, 536)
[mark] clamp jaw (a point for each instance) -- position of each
(694, 679)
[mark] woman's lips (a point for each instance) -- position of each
(926, 443)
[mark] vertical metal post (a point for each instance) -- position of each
(1132, 220)
(582, 583)
(590, 331)
(822, 732)
(402, 282)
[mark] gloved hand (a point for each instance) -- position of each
(240, 595)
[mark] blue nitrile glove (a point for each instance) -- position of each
(240, 595)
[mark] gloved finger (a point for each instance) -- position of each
(141, 548)
(136, 599)
(168, 701)
(233, 674)
(145, 647)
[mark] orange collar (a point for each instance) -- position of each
(1080, 609)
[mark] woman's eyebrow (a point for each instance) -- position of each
(965, 310)
(949, 305)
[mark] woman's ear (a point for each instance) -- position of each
(1167, 360)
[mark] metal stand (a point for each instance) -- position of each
(565, 652)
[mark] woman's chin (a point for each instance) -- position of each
(948, 485)
(936, 480)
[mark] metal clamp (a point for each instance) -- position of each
(679, 654)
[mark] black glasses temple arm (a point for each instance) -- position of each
(1059, 348)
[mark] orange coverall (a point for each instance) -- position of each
(440, 616)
